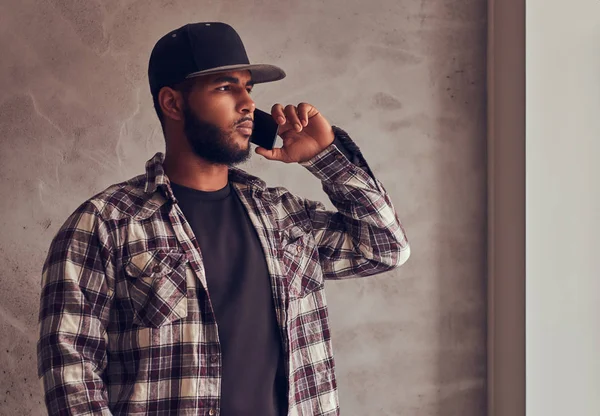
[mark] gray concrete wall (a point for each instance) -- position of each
(405, 78)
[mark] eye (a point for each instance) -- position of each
(224, 88)
(249, 90)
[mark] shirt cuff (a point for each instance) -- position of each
(342, 151)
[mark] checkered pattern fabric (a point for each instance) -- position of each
(126, 323)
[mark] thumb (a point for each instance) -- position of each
(274, 154)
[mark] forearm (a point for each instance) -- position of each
(365, 235)
(352, 152)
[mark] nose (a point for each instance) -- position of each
(246, 104)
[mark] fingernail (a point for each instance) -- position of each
(298, 126)
(281, 119)
(304, 123)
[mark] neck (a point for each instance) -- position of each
(187, 169)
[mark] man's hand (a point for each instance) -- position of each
(304, 131)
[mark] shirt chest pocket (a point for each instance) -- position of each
(157, 287)
(301, 266)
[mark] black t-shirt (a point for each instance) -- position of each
(239, 288)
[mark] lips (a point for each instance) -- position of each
(245, 127)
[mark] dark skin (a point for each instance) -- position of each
(224, 99)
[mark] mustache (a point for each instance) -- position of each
(243, 119)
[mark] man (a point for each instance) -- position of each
(195, 288)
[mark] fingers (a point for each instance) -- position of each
(303, 109)
(292, 117)
(296, 117)
(277, 113)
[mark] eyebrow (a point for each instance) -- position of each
(232, 80)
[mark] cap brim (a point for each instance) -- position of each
(260, 72)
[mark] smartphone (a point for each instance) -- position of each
(265, 129)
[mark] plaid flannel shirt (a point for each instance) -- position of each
(126, 324)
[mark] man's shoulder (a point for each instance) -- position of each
(120, 200)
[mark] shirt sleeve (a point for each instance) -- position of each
(346, 145)
(365, 236)
(73, 316)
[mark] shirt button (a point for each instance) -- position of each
(156, 269)
(214, 359)
(212, 412)
(299, 249)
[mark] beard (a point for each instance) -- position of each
(211, 143)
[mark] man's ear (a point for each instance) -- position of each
(171, 103)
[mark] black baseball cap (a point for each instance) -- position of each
(202, 48)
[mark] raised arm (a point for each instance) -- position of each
(364, 237)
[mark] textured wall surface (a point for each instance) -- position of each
(405, 78)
